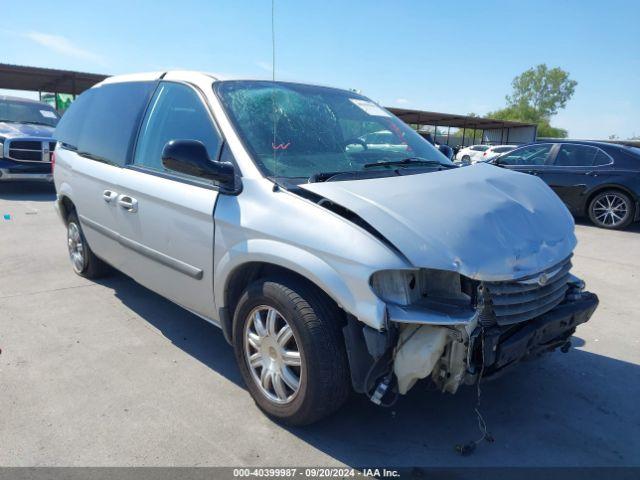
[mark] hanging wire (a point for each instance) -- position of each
(468, 448)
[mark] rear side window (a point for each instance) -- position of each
(112, 120)
(102, 122)
(580, 156)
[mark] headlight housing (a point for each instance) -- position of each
(406, 287)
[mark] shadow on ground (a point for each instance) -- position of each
(28, 191)
(564, 409)
(634, 227)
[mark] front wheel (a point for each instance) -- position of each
(290, 350)
(611, 209)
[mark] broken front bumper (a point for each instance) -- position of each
(501, 347)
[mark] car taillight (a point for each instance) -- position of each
(53, 160)
(484, 154)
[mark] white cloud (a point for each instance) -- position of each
(64, 46)
(265, 66)
(401, 101)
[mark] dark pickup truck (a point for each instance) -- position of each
(26, 143)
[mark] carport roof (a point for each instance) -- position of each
(420, 117)
(18, 77)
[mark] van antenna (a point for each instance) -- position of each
(273, 94)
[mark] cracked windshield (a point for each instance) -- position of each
(322, 133)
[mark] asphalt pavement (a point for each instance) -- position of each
(111, 374)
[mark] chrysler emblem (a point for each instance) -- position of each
(543, 279)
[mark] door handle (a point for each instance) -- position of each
(108, 195)
(130, 204)
(532, 172)
(592, 174)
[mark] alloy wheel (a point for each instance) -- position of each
(610, 210)
(272, 354)
(76, 247)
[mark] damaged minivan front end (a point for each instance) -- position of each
(464, 328)
(452, 330)
(498, 290)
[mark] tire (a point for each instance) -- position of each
(465, 159)
(611, 209)
(83, 260)
(314, 332)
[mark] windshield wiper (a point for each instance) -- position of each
(326, 176)
(24, 122)
(408, 161)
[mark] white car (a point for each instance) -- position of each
(328, 269)
(471, 154)
(495, 151)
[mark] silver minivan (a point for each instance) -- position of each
(330, 265)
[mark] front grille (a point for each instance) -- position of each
(26, 144)
(518, 301)
(30, 150)
(30, 155)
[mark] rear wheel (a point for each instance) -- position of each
(465, 159)
(83, 260)
(611, 209)
(290, 350)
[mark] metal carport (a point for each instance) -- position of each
(37, 79)
(493, 131)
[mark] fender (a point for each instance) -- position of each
(316, 270)
(62, 192)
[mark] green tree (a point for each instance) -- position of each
(543, 89)
(537, 95)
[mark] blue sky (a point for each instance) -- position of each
(456, 57)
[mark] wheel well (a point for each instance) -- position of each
(249, 272)
(605, 188)
(66, 207)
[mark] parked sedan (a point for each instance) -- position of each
(471, 154)
(594, 179)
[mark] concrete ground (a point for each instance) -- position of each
(110, 374)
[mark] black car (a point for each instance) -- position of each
(26, 143)
(595, 179)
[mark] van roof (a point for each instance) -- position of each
(192, 75)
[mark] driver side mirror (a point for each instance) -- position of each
(191, 158)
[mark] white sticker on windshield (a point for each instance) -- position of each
(370, 107)
(47, 114)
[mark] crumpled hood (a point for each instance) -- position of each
(485, 222)
(12, 130)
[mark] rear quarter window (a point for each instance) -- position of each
(103, 121)
(70, 125)
(601, 158)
